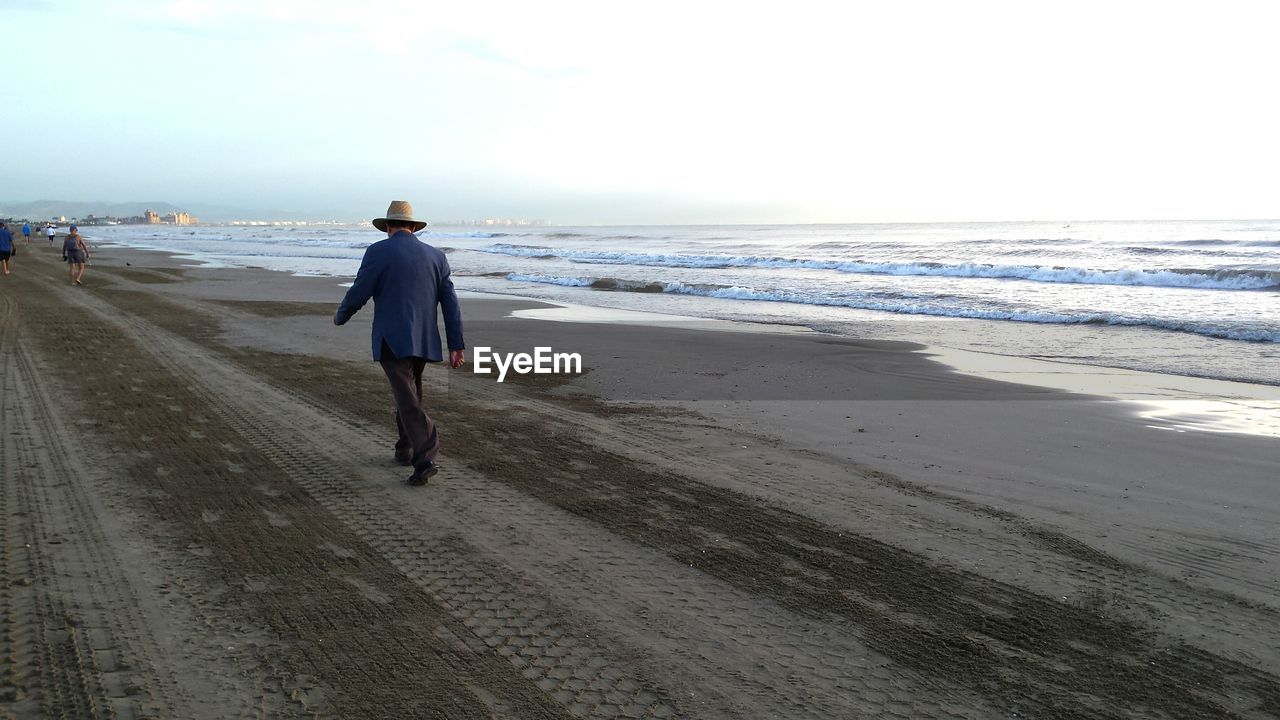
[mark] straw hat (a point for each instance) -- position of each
(399, 210)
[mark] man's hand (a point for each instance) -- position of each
(456, 358)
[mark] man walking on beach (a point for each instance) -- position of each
(407, 279)
(26, 232)
(7, 248)
(50, 230)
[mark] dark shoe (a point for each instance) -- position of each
(422, 473)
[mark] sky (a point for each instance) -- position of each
(649, 112)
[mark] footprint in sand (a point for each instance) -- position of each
(368, 591)
(199, 550)
(338, 550)
(276, 519)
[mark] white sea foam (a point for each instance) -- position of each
(1218, 279)
(428, 234)
(550, 280)
(935, 308)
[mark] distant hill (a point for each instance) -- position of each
(48, 209)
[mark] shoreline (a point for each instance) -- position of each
(1009, 337)
(879, 324)
(1175, 402)
(1182, 403)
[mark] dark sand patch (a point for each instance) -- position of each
(266, 308)
(147, 275)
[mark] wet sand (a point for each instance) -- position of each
(202, 519)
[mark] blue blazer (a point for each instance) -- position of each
(406, 279)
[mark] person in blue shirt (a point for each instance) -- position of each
(26, 232)
(407, 279)
(7, 248)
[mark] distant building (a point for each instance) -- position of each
(505, 222)
(150, 217)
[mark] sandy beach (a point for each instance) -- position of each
(202, 519)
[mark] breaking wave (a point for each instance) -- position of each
(1204, 279)
(901, 304)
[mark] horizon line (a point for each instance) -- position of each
(538, 222)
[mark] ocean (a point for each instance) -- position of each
(1191, 298)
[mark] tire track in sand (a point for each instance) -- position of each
(947, 529)
(494, 615)
(1031, 653)
(952, 530)
(349, 635)
(749, 656)
(97, 634)
(77, 644)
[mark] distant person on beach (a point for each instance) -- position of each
(26, 232)
(7, 248)
(50, 231)
(77, 254)
(407, 279)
